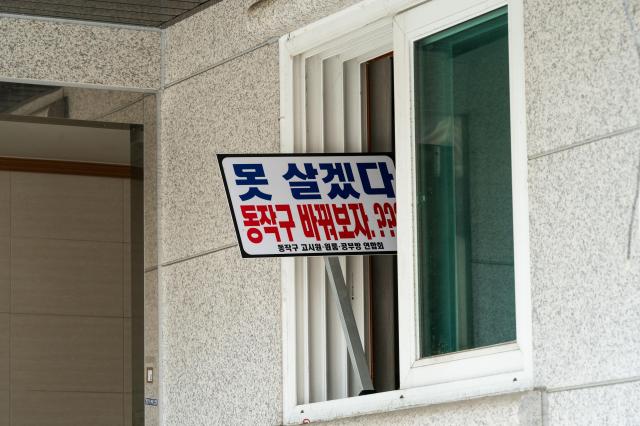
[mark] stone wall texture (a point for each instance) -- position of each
(220, 339)
(70, 53)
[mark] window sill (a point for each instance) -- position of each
(416, 397)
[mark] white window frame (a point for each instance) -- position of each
(467, 374)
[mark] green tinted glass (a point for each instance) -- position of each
(464, 209)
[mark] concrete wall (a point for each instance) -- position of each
(75, 53)
(220, 316)
(583, 105)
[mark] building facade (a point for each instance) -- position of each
(227, 79)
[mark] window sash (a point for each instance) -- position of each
(514, 358)
(463, 179)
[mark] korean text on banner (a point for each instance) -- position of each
(312, 205)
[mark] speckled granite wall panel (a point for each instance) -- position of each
(93, 104)
(233, 108)
(602, 405)
(151, 316)
(513, 409)
(582, 71)
(228, 28)
(586, 263)
(221, 341)
(131, 114)
(78, 53)
(150, 182)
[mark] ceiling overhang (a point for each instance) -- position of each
(147, 13)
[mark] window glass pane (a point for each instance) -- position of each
(464, 210)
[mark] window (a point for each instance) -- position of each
(463, 187)
(452, 318)
(343, 103)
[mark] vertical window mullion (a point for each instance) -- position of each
(355, 273)
(300, 105)
(302, 331)
(334, 141)
(314, 106)
(317, 311)
(333, 104)
(355, 276)
(303, 385)
(352, 106)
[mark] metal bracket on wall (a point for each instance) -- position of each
(348, 321)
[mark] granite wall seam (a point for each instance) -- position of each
(163, 60)
(121, 107)
(265, 43)
(614, 405)
(545, 394)
(160, 288)
(634, 206)
(634, 209)
(601, 384)
(197, 255)
(585, 142)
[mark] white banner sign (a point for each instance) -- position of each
(312, 205)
